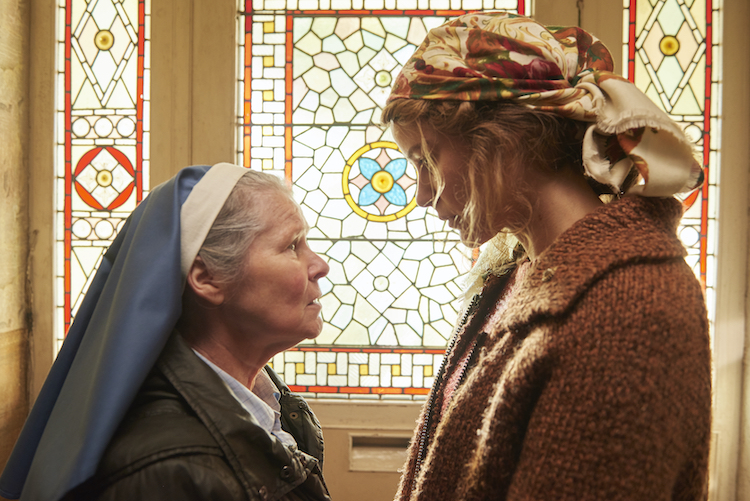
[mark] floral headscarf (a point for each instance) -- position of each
(491, 56)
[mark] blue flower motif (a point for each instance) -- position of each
(383, 181)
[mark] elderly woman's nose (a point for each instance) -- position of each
(318, 268)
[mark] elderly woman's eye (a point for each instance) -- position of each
(293, 246)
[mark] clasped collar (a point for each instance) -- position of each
(260, 461)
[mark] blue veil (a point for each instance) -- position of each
(123, 323)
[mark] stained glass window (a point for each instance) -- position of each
(315, 75)
(672, 49)
(102, 136)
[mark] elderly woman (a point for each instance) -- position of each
(581, 369)
(161, 389)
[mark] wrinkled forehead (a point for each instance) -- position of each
(278, 208)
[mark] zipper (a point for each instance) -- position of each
(425, 431)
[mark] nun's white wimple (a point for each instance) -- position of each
(199, 211)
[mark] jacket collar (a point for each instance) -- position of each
(236, 432)
(628, 230)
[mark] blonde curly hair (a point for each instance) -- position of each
(503, 138)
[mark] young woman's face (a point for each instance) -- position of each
(449, 157)
(277, 298)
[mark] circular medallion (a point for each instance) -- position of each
(125, 127)
(383, 78)
(382, 181)
(104, 229)
(380, 283)
(104, 39)
(81, 228)
(103, 127)
(378, 183)
(81, 127)
(669, 45)
(104, 178)
(694, 133)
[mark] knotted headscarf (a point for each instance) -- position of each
(494, 56)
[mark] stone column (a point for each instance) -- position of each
(14, 224)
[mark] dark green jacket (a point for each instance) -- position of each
(185, 437)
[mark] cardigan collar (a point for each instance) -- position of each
(628, 230)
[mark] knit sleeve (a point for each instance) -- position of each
(624, 413)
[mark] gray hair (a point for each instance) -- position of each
(238, 223)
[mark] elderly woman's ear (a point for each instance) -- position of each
(204, 284)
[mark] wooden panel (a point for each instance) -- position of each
(14, 401)
(193, 59)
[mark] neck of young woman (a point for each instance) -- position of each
(558, 202)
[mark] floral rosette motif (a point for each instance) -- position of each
(375, 183)
(382, 182)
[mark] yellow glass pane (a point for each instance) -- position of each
(395, 370)
(363, 370)
(299, 368)
(698, 10)
(642, 14)
(331, 369)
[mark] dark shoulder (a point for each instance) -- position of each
(158, 423)
(190, 476)
(159, 438)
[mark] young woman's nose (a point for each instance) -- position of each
(425, 192)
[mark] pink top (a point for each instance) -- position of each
(455, 377)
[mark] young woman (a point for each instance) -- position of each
(581, 368)
(160, 390)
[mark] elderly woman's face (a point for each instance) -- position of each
(276, 301)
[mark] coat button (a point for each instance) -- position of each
(548, 274)
(294, 415)
(286, 472)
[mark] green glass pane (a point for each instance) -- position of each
(671, 17)
(670, 73)
(323, 26)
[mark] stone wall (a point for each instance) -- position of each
(14, 195)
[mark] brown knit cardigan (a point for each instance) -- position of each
(595, 384)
